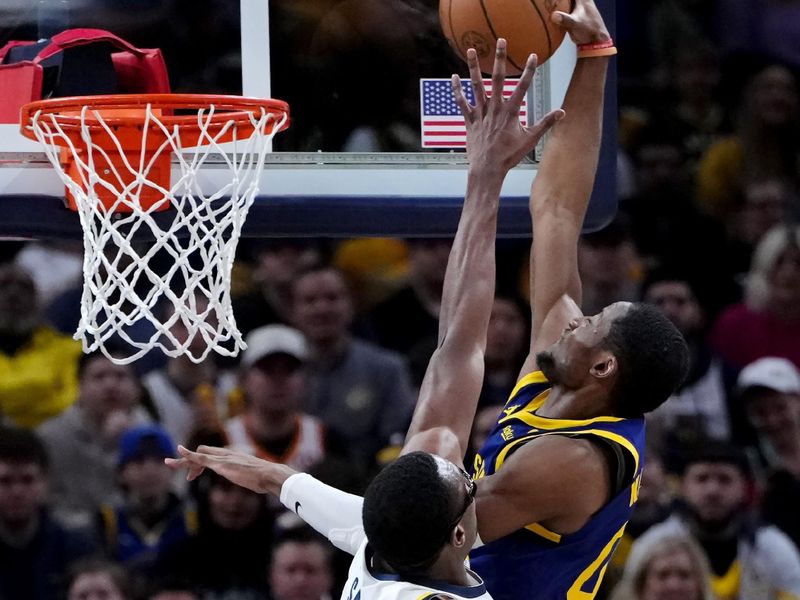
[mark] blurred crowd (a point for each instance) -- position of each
(339, 333)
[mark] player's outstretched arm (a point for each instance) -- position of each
(496, 142)
(333, 513)
(563, 186)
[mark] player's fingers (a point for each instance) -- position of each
(563, 19)
(476, 77)
(461, 100)
(550, 119)
(516, 98)
(499, 70)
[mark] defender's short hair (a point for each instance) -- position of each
(406, 510)
(652, 357)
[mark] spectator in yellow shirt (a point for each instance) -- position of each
(38, 365)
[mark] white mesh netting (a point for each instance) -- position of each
(160, 279)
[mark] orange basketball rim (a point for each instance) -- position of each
(117, 144)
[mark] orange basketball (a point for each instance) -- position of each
(525, 24)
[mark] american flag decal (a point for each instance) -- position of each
(442, 123)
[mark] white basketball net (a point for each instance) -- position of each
(184, 308)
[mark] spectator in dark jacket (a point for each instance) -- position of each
(35, 550)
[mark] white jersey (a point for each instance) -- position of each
(365, 584)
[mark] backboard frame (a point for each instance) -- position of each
(322, 193)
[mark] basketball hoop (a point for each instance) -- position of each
(115, 155)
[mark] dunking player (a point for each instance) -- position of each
(418, 513)
(560, 472)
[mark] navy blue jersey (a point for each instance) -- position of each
(535, 562)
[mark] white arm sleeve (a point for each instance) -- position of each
(333, 513)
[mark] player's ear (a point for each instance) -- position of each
(604, 365)
(459, 536)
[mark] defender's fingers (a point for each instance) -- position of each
(461, 100)
(516, 98)
(214, 450)
(194, 473)
(197, 458)
(550, 119)
(499, 70)
(476, 77)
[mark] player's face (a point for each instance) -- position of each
(570, 359)
(464, 489)
(671, 576)
(714, 491)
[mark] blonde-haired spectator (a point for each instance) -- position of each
(665, 567)
(767, 323)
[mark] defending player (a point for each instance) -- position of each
(418, 513)
(560, 471)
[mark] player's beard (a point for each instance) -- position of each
(547, 365)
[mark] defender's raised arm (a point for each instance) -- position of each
(496, 142)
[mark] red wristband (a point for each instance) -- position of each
(604, 48)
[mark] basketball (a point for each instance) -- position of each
(525, 24)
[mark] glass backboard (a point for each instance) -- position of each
(354, 160)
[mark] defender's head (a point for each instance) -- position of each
(632, 352)
(417, 509)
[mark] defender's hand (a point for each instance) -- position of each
(495, 138)
(237, 467)
(584, 24)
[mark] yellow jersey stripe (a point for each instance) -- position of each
(614, 437)
(531, 406)
(535, 377)
(544, 532)
(501, 457)
(533, 420)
